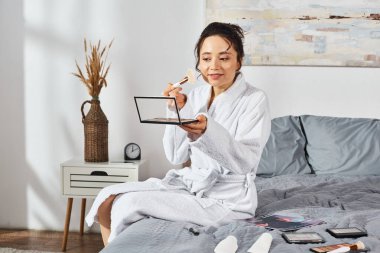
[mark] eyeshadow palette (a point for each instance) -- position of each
(351, 232)
(173, 121)
(154, 110)
(306, 237)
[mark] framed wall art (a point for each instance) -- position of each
(304, 32)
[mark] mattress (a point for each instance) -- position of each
(340, 201)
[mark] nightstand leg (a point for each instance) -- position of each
(82, 212)
(67, 223)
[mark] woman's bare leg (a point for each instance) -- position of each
(104, 216)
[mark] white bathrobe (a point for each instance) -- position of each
(219, 185)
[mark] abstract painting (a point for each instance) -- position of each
(304, 32)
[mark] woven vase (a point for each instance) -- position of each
(95, 132)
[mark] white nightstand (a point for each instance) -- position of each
(84, 180)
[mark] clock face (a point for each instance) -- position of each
(132, 152)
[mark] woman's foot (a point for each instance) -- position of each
(104, 216)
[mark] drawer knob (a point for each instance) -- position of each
(99, 173)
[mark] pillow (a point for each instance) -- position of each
(284, 152)
(349, 146)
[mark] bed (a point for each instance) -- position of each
(324, 168)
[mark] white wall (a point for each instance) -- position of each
(154, 40)
(326, 91)
(13, 167)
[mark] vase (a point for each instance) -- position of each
(95, 132)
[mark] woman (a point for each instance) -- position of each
(224, 147)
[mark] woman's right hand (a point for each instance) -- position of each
(171, 91)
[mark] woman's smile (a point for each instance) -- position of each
(215, 76)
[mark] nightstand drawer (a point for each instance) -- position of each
(88, 181)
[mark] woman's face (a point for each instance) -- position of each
(218, 62)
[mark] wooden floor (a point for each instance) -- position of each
(50, 241)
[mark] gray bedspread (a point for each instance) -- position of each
(340, 201)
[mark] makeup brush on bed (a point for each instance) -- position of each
(190, 77)
(356, 246)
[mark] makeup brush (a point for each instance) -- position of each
(356, 246)
(190, 77)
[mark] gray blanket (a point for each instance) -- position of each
(338, 201)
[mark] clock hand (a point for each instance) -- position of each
(132, 149)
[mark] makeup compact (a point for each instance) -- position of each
(305, 237)
(350, 232)
(153, 110)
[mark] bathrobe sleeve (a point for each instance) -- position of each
(240, 153)
(175, 141)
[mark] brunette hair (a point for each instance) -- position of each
(234, 35)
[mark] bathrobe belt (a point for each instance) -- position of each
(199, 184)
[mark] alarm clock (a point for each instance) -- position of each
(132, 151)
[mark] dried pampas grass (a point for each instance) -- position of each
(95, 66)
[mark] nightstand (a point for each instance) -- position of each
(84, 180)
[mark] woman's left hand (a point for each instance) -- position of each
(195, 130)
